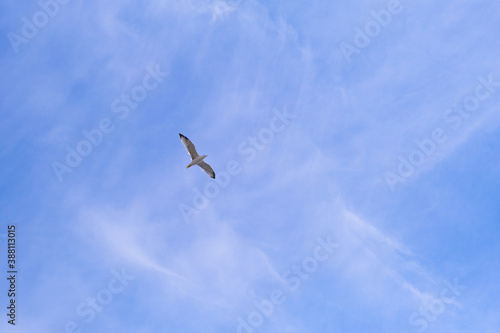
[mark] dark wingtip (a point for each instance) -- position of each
(181, 136)
(213, 176)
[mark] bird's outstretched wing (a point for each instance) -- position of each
(189, 146)
(207, 168)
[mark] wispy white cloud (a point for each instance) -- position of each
(231, 65)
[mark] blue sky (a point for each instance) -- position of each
(355, 145)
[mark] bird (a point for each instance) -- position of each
(195, 158)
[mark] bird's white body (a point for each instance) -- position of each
(196, 161)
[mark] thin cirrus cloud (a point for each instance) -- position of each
(231, 66)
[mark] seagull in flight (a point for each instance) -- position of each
(195, 158)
